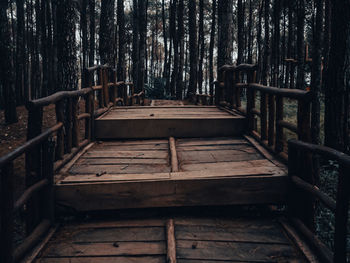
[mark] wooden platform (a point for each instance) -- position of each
(189, 240)
(176, 121)
(153, 173)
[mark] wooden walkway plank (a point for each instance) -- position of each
(171, 243)
(143, 259)
(173, 155)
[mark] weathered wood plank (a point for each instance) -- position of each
(98, 235)
(109, 161)
(250, 252)
(131, 147)
(105, 249)
(148, 259)
(171, 243)
(153, 222)
(269, 233)
(95, 153)
(132, 142)
(120, 169)
(226, 165)
(172, 127)
(237, 147)
(186, 157)
(170, 193)
(114, 177)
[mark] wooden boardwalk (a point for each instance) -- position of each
(116, 174)
(186, 239)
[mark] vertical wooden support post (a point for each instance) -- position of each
(68, 125)
(89, 107)
(229, 88)
(171, 243)
(304, 129)
(173, 155)
(33, 165)
(341, 214)
(237, 95)
(75, 122)
(101, 91)
(48, 172)
(125, 93)
(263, 115)
(271, 125)
(60, 133)
(293, 197)
(6, 214)
(279, 129)
(105, 86)
(251, 94)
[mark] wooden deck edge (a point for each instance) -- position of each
(31, 257)
(61, 172)
(298, 241)
(261, 149)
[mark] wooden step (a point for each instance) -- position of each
(163, 122)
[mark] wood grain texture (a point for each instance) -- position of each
(171, 243)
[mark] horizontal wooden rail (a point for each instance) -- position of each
(301, 206)
(316, 192)
(29, 145)
(57, 97)
(290, 126)
(29, 193)
(286, 93)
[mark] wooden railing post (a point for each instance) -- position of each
(48, 172)
(237, 92)
(68, 125)
(6, 214)
(100, 95)
(33, 164)
(304, 121)
(263, 116)
(105, 86)
(229, 88)
(89, 108)
(341, 214)
(279, 129)
(271, 125)
(60, 133)
(75, 122)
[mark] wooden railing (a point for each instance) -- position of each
(231, 82)
(47, 151)
(303, 192)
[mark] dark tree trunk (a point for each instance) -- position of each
(225, 9)
(92, 33)
(338, 79)
(201, 46)
(240, 30)
(66, 45)
(85, 41)
(165, 66)
(174, 38)
(135, 41)
(180, 33)
(250, 34)
(327, 35)
(21, 84)
(276, 45)
(192, 86)
(259, 40)
(121, 69)
(106, 43)
(142, 6)
(211, 49)
(316, 73)
(301, 45)
(6, 66)
(265, 68)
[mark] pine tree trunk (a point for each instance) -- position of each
(142, 6)
(301, 45)
(180, 33)
(6, 66)
(201, 46)
(106, 42)
(92, 33)
(85, 43)
(192, 86)
(266, 59)
(338, 79)
(225, 9)
(121, 68)
(316, 73)
(240, 30)
(20, 53)
(211, 50)
(66, 46)
(174, 38)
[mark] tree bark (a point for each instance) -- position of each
(201, 46)
(265, 67)
(225, 9)
(192, 86)
(66, 46)
(6, 66)
(211, 49)
(106, 43)
(338, 79)
(240, 30)
(121, 68)
(92, 33)
(301, 45)
(142, 6)
(180, 33)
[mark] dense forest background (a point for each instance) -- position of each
(174, 48)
